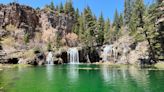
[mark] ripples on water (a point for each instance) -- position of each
(81, 78)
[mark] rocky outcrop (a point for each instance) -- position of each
(72, 40)
(127, 52)
(55, 25)
(3, 57)
(26, 20)
(20, 16)
(23, 29)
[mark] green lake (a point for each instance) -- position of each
(81, 78)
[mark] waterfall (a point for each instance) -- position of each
(106, 51)
(73, 56)
(49, 58)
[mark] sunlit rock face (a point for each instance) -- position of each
(72, 39)
(55, 25)
(30, 21)
(20, 16)
(128, 52)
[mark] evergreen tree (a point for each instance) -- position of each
(61, 9)
(107, 31)
(128, 4)
(52, 7)
(89, 26)
(76, 25)
(77, 14)
(136, 21)
(81, 28)
(121, 20)
(116, 26)
(156, 33)
(69, 7)
(116, 18)
(100, 33)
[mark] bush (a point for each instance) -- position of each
(26, 38)
(9, 41)
(49, 46)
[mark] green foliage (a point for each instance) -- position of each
(89, 26)
(26, 38)
(52, 7)
(36, 49)
(37, 8)
(61, 9)
(77, 14)
(49, 47)
(76, 29)
(68, 8)
(155, 33)
(100, 33)
(137, 21)
(121, 20)
(128, 7)
(116, 19)
(107, 31)
(58, 39)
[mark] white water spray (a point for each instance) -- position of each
(49, 58)
(73, 56)
(106, 52)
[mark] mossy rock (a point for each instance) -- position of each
(159, 65)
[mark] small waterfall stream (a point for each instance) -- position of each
(106, 52)
(49, 58)
(73, 56)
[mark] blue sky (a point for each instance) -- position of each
(108, 7)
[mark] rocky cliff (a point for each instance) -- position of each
(23, 29)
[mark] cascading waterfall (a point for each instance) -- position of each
(73, 56)
(106, 51)
(49, 58)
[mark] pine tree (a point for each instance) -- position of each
(136, 21)
(127, 11)
(68, 8)
(121, 20)
(61, 9)
(100, 33)
(76, 24)
(89, 26)
(52, 7)
(77, 14)
(107, 31)
(116, 25)
(156, 33)
(81, 28)
(116, 18)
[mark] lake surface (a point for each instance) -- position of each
(81, 78)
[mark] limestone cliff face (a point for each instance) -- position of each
(23, 29)
(18, 15)
(42, 26)
(128, 52)
(55, 24)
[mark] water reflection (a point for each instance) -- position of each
(106, 73)
(73, 72)
(49, 71)
(126, 75)
(140, 76)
